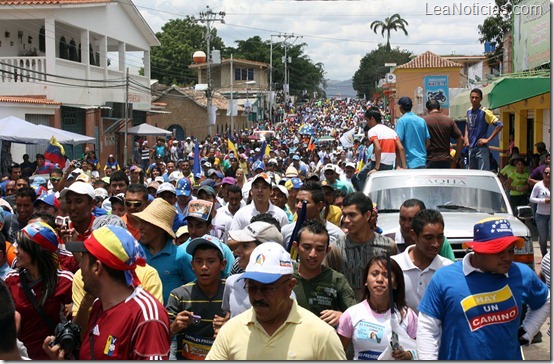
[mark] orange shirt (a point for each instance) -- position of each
(134, 230)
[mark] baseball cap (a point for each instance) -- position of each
(258, 165)
(119, 198)
(115, 247)
(175, 176)
(101, 192)
(268, 262)
(263, 176)
(350, 164)
(205, 239)
(208, 189)
(294, 183)
(199, 209)
(208, 182)
(329, 167)
(183, 187)
(166, 186)
(112, 220)
(327, 184)
(227, 181)
(154, 185)
(493, 235)
(259, 231)
(159, 179)
(48, 198)
(42, 234)
(296, 157)
(181, 231)
(282, 189)
(210, 172)
(80, 188)
(38, 181)
(291, 172)
(405, 101)
(207, 164)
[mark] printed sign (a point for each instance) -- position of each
(436, 88)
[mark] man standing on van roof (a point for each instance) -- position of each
(477, 125)
(471, 309)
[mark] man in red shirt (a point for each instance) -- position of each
(125, 321)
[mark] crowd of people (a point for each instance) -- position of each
(264, 248)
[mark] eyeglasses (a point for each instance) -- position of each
(264, 290)
(547, 173)
(55, 179)
(135, 204)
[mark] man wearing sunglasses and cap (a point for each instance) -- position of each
(275, 328)
(471, 310)
(125, 322)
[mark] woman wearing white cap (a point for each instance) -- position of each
(112, 163)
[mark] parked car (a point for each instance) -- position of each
(463, 196)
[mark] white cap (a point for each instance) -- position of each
(268, 262)
(166, 186)
(80, 188)
(329, 167)
(175, 176)
(259, 231)
(101, 192)
(350, 164)
(282, 189)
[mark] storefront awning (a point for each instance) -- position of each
(501, 92)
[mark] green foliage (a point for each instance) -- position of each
(179, 39)
(493, 30)
(372, 68)
(394, 22)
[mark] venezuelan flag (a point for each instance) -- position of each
(230, 145)
(55, 152)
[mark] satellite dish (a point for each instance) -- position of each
(390, 78)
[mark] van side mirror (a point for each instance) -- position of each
(524, 212)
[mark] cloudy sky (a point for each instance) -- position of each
(336, 33)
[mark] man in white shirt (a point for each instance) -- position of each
(224, 215)
(260, 192)
(420, 260)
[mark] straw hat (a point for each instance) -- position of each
(159, 213)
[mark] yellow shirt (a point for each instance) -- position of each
(303, 336)
(334, 215)
(149, 278)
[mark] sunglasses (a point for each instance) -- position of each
(547, 173)
(135, 204)
(55, 179)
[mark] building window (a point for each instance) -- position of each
(244, 74)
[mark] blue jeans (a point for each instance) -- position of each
(543, 227)
(359, 178)
(479, 158)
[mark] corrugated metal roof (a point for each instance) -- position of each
(429, 60)
(30, 99)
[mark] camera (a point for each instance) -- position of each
(195, 319)
(68, 335)
(77, 164)
(62, 221)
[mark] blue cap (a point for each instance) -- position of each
(183, 187)
(205, 239)
(258, 165)
(296, 182)
(296, 157)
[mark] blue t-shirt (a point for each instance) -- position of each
(413, 133)
(478, 124)
(174, 267)
(480, 312)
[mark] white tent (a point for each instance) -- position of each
(66, 137)
(146, 129)
(17, 130)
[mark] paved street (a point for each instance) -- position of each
(541, 350)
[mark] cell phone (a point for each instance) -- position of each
(394, 341)
(62, 221)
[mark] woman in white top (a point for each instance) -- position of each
(541, 196)
(368, 324)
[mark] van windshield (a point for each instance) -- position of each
(458, 193)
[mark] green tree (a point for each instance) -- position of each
(179, 39)
(394, 22)
(372, 68)
(493, 30)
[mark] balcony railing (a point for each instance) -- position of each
(22, 69)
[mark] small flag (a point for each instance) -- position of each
(301, 218)
(196, 168)
(230, 145)
(262, 151)
(55, 152)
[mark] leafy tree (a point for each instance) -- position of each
(493, 30)
(372, 68)
(394, 22)
(179, 39)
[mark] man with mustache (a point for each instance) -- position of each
(275, 328)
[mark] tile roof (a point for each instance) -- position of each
(429, 60)
(29, 99)
(50, 2)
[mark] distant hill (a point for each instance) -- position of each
(340, 89)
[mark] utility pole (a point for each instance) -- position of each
(126, 115)
(270, 94)
(232, 76)
(287, 60)
(209, 17)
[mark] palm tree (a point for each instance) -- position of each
(394, 22)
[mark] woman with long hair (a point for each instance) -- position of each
(38, 286)
(241, 177)
(368, 324)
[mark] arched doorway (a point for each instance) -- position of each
(178, 131)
